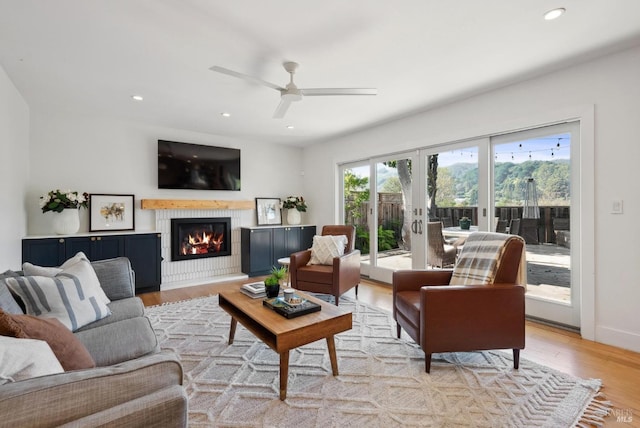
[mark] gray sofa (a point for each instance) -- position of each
(133, 384)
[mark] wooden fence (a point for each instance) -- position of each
(391, 214)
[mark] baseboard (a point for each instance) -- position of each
(619, 338)
(212, 280)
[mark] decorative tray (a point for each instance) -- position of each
(291, 310)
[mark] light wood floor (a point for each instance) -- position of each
(562, 350)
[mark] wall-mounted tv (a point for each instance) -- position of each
(196, 166)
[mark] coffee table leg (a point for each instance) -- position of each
(332, 355)
(284, 374)
(232, 330)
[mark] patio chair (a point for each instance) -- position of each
(514, 226)
(501, 226)
(440, 254)
(477, 306)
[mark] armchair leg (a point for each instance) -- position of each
(337, 299)
(427, 363)
(398, 330)
(357, 290)
(516, 358)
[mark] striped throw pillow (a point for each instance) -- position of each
(72, 302)
(78, 266)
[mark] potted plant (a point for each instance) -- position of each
(66, 206)
(272, 282)
(294, 206)
(465, 223)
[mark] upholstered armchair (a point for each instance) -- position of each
(335, 279)
(484, 311)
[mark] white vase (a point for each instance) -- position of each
(66, 222)
(293, 216)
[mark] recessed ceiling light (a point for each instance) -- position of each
(289, 126)
(137, 97)
(554, 13)
(225, 114)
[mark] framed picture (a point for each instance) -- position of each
(268, 211)
(111, 212)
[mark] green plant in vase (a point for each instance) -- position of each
(465, 223)
(272, 282)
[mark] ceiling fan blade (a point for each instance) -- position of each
(245, 77)
(311, 92)
(281, 109)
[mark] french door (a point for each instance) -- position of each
(378, 198)
(535, 180)
(524, 183)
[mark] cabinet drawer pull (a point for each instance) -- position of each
(61, 240)
(93, 238)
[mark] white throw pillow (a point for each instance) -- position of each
(35, 270)
(326, 247)
(64, 297)
(77, 266)
(26, 358)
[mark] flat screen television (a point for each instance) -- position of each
(196, 166)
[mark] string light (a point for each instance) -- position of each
(497, 155)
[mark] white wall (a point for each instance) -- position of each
(609, 84)
(14, 172)
(93, 154)
(102, 155)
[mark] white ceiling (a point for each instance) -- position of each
(92, 55)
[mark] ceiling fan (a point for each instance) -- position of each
(291, 92)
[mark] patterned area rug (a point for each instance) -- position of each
(381, 383)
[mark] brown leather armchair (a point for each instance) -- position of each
(336, 279)
(457, 318)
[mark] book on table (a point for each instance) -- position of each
(291, 310)
(255, 290)
(254, 295)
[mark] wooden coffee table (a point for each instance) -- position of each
(282, 334)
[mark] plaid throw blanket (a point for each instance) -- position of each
(478, 261)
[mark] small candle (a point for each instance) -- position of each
(288, 294)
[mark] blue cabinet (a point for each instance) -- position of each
(256, 251)
(263, 246)
(142, 249)
(44, 252)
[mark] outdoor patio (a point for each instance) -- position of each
(548, 269)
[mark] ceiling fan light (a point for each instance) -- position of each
(225, 114)
(137, 97)
(554, 13)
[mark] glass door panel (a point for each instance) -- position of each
(377, 200)
(393, 208)
(355, 207)
(533, 194)
(452, 187)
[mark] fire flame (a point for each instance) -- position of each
(201, 243)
